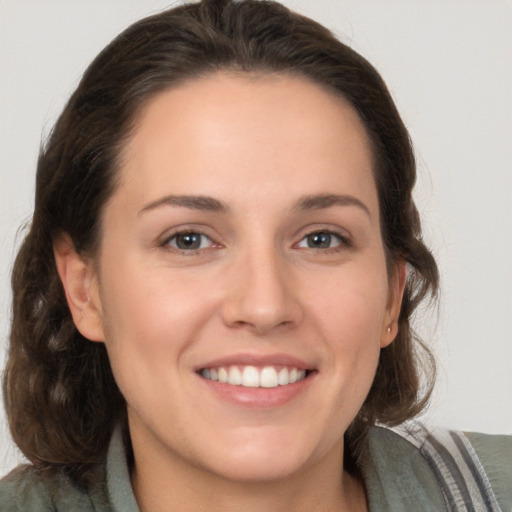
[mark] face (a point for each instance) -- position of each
(241, 289)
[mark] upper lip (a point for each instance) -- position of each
(247, 359)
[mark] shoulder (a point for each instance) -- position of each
(27, 489)
(495, 455)
(468, 468)
(23, 489)
(396, 474)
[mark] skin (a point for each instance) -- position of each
(255, 288)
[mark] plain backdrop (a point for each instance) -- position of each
(448, 64)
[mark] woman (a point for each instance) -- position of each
(212, 307)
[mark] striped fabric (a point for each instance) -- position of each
(460, 473)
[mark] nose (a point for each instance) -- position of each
(261, 294)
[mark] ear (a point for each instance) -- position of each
(396, 292)
(80, 284)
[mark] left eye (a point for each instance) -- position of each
(189, 241)
(321, 240)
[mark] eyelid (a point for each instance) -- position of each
(200, 235)
(164, 240)
(345, 239)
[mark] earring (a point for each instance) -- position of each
(389, 329)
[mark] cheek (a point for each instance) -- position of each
(348, 314)
(149, 323)
(351, 305)
(151, 316)
(141, 300)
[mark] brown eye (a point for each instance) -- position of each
(189, 241)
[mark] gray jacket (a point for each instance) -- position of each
(406, 469)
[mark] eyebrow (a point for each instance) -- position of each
(321, 201)
(210, 204)
(203, 203)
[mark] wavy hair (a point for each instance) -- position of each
(61, 398)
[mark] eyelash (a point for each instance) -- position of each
(166, 244)
(343, 242)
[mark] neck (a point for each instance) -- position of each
(322, 487)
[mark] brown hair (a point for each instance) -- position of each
(61, 398)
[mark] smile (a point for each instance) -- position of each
(254, 377)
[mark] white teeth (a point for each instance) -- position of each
(250, 377)
(223, 375)
(283, 377)
(253, 377)
(268, 377)
(235, 376)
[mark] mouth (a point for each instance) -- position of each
(249, 376)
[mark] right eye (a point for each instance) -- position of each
(188, 241)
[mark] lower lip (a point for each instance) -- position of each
(262, 398)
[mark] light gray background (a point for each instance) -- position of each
(448, 64)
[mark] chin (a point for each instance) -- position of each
(262, 458)
(260, 469)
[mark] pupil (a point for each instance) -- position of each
(188, 241)
(319, 240)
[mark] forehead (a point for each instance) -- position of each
(234, 131)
